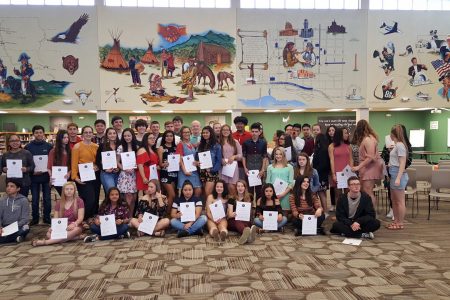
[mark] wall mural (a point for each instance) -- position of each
(45, 62)
(300, 60)
(409, 61)
(169, 61)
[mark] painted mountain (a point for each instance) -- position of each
(183, 50)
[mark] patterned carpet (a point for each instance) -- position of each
(409, 264)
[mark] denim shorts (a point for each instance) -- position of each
(393, 171)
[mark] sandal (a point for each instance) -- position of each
(395, 226)
(37, 242)
(160, 233)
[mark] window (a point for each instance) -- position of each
(170, 3)
(48, 2)
(302, 4)
(410, 4)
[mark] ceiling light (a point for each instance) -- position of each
(166, 111)
(297, 110)
(271, 110)
(3, 112)
(206, 111)
(39, 111)
(139, 111)
(92, 111)
(335, 109)
(229, 111)
(423, 108)
(69, 111)
(400, 109)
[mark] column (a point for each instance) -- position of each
(104, 115)
(362, 113)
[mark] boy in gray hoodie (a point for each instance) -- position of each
(14, 207)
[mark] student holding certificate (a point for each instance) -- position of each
(217, 204)
(209, 143)
(15, 152)
(85, 152)
(185, 148)
(146, 156)
(59, 156)
(127, 178)
(303, 167)
(269, 202)
(284, 140)
(155, 203)
(168, 179)
(70, 206)
(115, 205)
(187, 197)
(40, 179)
(304, 202)
(245, 228)
(110, 174)
(280, 169)
(14, 212)
(231, 152)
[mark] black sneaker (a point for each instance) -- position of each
(34, 222)
(48, 221)
(90, 238)
(367, 235)
(19, 239)
(182, 233)
(320, 231)
(127, 235)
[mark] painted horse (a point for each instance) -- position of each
(224, 76)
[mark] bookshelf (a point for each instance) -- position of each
(25, 138)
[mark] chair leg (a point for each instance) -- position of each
(429, 207)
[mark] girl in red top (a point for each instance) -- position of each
(146, 156)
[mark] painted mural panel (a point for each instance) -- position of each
(408, 59)
(301, 59)
(48, 58)
(167, 59)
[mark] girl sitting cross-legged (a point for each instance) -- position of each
(71, 207)
(114, 204)
(218, 228)
(155, 203)
(269, 202)
(189, 227)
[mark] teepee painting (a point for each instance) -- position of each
(114, 60)
(149, 57)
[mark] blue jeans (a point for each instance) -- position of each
(108, 180)
(12, 237)
(259, 223)
(121, 230)
(197, 226)
(35, 193)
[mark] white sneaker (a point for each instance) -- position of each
(390, 214)
(367, 235)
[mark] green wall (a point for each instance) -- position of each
(435, 140)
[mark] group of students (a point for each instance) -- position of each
(129, 193)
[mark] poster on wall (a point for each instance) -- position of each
(48, 62)
(297, 60)
(171, 61)
(408, 62)
(348, 122)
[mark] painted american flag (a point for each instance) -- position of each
(441, 67)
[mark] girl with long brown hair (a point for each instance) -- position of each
(231, 151)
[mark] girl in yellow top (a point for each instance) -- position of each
(85, 152)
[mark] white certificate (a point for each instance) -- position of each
(153, 172)
(217, 210)
(128, 160)
(229, 169)
(253, 179)
(243, 210)
(354, 242)
(341, 180)
(187, 210)
(14, 168)
(348, 171)
(40, 163)
(174, 163)
(58, 174)
(280, 186)
(108, 225)
(188, 161)
(10, 229)
(59, 229)
(109, 160)
(148, 223)
(87, 172)
(309, 225)
(288, 152)
(270, 220)
(205, 160)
